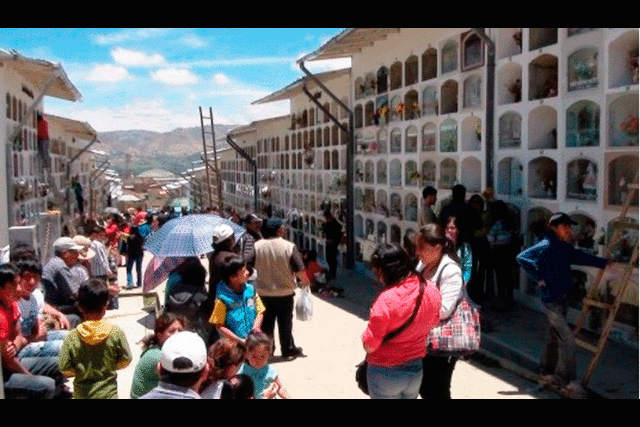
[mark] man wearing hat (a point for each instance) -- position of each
(253, 225)
(549, 263)
(182, 368)
(57, 278)
(280, 270)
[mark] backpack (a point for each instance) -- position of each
(188, 301)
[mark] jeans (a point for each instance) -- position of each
(332, 259)
(559, 354)
(40, 385)
(279, 309)
(131, 259)
(395, 382)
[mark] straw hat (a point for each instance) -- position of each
(86, 253)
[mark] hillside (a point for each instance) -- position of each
(173, 151)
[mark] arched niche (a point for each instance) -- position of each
(543, 128)
(381, 236)
(542, 37)
(395, 234)
(395, 205)
(543, 178)
(471, 174)
(584, 232)
(582, 69)
(411, 140)
(382, 203)
(381, 171)
(537, 219)
(583, 124)
(449, 61)
(395, 173)
(411, 70)
(430, 101)
(395, 141)
(395, 78)
(509, 42)
(448, 136)
(510, 177)
(623, 121)
(411, 174)
(449, 97)
(411, 207)
(582, 180)
(621, 172)
(623, 60)
(543, 77)
(509, 87)
(382, 77)
(472, 92)
(510, 130)
(429, 64)
(448, 174)
(471, 133)
(429, 138)
(428, 173)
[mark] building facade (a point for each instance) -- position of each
(562, 136)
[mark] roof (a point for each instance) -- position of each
(295, 88)
(156, 173)
(350, 42)
(38, 72)
(81, 130)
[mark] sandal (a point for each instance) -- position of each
(575, 391)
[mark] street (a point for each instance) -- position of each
(332, 345)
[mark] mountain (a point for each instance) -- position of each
(172, 151)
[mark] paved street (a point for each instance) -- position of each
(331, 341)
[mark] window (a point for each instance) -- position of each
(448, 136)
(428, 137)
(582, 180)
(396, 141)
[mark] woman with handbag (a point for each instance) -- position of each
(439, 265)
(395, 335)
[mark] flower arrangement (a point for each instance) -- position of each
(630, 125)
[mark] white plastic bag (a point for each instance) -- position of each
(304, 305)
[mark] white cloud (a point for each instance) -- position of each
(221, 79)
(175, 76)
(107, 73)
(129, 34)
(135, 58)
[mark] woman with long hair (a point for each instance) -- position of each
(145, 376)
(439, 264)
(395, 365)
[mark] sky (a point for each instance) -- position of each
(155, 79)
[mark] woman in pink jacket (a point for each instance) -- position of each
(395, 365)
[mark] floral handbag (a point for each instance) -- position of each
(458, 335)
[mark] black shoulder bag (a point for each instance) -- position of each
(361, 368)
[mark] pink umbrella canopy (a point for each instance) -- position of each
(158, 270)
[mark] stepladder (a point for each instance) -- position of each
(619, 241)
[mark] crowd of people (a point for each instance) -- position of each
(217, 341)
(466, 246)
(52, 316)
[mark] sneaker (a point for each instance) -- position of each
(575, 390)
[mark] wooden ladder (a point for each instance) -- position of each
(591, 299)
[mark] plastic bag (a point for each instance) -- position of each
(304, 305)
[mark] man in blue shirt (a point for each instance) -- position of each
(549, 263)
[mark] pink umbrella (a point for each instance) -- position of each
(158, 270)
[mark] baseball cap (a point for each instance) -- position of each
(221, 233)
(183, 352)
(273, 223)
(561, 218)
(67, 243)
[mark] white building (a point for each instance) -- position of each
(557, 132)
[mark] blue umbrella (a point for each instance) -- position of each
(189, 235)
